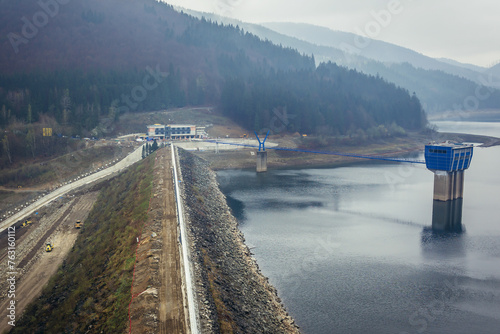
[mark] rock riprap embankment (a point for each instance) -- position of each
(232, 293)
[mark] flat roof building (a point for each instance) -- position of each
(448, 161)
(448, 156)
(177, 131)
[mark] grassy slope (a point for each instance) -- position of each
(91, 291)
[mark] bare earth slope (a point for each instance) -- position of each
(37, 266)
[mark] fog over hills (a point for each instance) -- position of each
(91, 61)
(372, 48)
(495, 70)
(441, 85)
(112, 34)
(464, 65)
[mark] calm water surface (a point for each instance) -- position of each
(475, 128)
(351, 250)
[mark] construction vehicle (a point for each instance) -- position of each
(27, 222)
(78, 224)
(49, 247)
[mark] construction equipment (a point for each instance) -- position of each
(27, 222)
(49, 247)
(78, 224)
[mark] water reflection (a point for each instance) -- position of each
(444, 238)
(237, 208)
(389, 272)
(447, 216)
(441, 245)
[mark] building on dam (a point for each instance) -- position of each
(175, 132)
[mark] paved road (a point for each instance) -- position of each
(126, 162)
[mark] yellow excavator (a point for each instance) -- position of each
(49, 247)
(27, 222)
(78, 224)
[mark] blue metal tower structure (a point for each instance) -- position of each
(448, 157)
(262, 146)
(448, 161)
(261, 154)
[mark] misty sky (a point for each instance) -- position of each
(464, 30)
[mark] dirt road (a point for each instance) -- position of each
(171, 298)
(158, 303)
(37, 266)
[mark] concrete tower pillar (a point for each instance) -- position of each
(448, 161)
(448, 186)
(261, 161)
(261, 154)
(443, 186)
(459, 184)
(447, 216)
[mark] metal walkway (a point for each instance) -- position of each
(372, 157)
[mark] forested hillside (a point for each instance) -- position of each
(121, 35)
(330, 100)
(95, 52)
(439, 90)
(440, 84)
(90, 61)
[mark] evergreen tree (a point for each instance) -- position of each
(31, 141)
(6, 147)
(154, 147)
(30, 116)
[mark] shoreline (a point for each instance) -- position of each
(484, 115)
(245, 158)
(401, 147)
